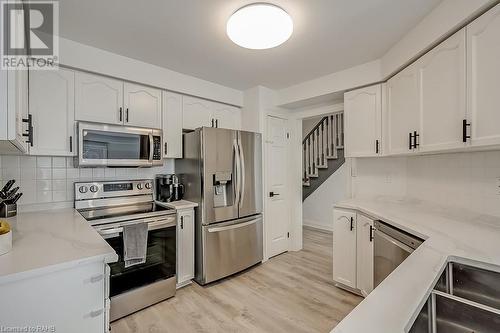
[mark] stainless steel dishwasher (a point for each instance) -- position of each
(391, 247)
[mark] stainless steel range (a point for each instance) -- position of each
(111, 206)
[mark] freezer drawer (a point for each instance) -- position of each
(231, 247)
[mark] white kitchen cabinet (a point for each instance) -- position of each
(142, 106)
(70, 300)
(197, 112)
(442, 94)
(403, 116)
(363, 121)
(13, 109)
(364, 254)
(185, 246)
(344, 247)
(98, 99)
(227, 116)
(52, 106)
(172, 125)
(483, 78)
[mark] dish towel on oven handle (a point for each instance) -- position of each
(135, 243)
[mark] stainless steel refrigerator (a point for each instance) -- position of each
(223, 173)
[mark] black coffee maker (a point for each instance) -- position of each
(169, 188)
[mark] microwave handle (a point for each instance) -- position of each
(151, 147)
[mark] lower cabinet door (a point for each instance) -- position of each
(344, 247)
(364, 266)
(185, 246)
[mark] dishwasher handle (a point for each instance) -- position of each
(394, 241)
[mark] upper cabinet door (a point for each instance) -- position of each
(402, 110)
(17, 105)
(172, 125)
(98, 99)
(442, 86)
(363, 121)
(197, 113)
(52, 105)
(142, 106)
(227, 116)
(483, 78)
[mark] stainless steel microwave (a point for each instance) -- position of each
(118, 146)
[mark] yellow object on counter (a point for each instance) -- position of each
(4, 227)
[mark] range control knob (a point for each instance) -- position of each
(139, 186)
(83, 189)
(148, 186)
(94, 188)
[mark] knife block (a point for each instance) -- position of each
(8, 210)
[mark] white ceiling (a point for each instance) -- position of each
(189, 36)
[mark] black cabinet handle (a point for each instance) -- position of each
(126, 115)
(371, 233)
(120, 113)
(29, 133)
(410, 138)
(416, 142)
(213, 122)
(352, 223)
(70, 144)
(216, 123)
(166, 148)
(464, 130)
(182, 222)
(377, 146)
(272, 194)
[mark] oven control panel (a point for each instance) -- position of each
(112, 189)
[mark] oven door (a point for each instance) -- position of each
(160, 258)
(111, 145)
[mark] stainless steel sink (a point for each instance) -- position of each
(465, 299)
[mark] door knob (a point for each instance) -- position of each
(272, 194)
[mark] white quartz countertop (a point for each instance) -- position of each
(50, 240)
(178, 205)
(449, 234)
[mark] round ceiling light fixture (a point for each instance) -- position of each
(259, 26)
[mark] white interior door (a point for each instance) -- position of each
(278, 212)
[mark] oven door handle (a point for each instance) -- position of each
(164, 223)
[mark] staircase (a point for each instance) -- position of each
(323, 152)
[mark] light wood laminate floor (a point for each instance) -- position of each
(292, 292)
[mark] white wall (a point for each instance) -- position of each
(92, 59)
(47, 181)
(317, 208)
(467, 180)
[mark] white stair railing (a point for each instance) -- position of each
(321, 144)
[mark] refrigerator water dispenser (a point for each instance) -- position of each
(222, 185)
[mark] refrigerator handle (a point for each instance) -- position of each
(242, 169)
(237, 172)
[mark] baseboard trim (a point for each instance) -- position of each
(316, 226)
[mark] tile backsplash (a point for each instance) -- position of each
(45, 179)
